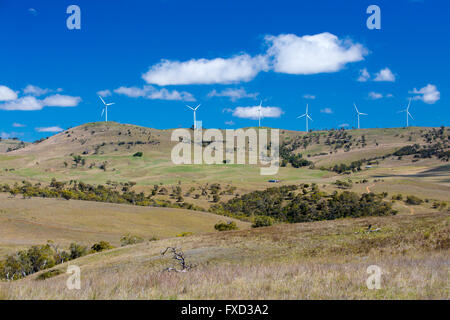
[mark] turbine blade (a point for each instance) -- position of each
(103, 111)
(102, 100)
(190, 107)
(310, 118)
(410, 115)
(409, 103)
(363, 114)
(109, 104)
(301, 116)
(197, 107)
(356, 107)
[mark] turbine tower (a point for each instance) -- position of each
(306, 115)
(194, 109)
(407, 113)
(105, 109)
(359, 113)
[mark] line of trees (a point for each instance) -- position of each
(302, 204)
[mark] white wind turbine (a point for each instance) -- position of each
(306, 115)
(105, 109)
(359, 113)
(194, 109)
(407, 113)
(259, 114)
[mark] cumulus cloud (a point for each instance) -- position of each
(35, 91)
(233, 94)
(309, 96)
(326, 110)
(253, 113)
(18, 125)
(385, 75)
(28, 103)
(104, 93)
(150, 92)
(364, 75)
(312, 54)
(49, 129)
(31, 102)
(428, 94)
(375, 95)
(229, 123)
(59, 100)
(286, 53)
(343, 125)
(204, 71)
(32, 11)
(6, 94)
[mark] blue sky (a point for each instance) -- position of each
(153, 57)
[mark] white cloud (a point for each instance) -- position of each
(229, 123)
(18, 125)
(375, 95)
(309, 96)
(252, 112)
(233, 94)
(385, 75)
(363, 75)
(58, 100)
(27, 103)
(343, 125)
(287, 53)
(35, 91)
(49, 129)
(32, 11)
(203, 71)
(150, 92)
(312, 54)
(428, 94)
(6, 94)
(104, 93)
(327, 111)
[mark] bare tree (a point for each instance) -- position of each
(177, 255)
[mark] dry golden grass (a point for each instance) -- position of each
(26, 222)
(320, 260)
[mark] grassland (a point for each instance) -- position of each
(320, 260)
(324, 260)
(26, 222)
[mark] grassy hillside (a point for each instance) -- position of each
(107, 150)
(318, 260)
(27, 222)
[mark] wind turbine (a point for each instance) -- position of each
(105, 109)
(407, 113)
(359, 113)
(194, 109)
(306, 115)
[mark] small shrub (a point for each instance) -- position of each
(262, 221)
(77, 250)
(413, 200)
(49, 274)
(184, 234)
(130, 239)
(101, 246)
(138, 154)
(222, 226)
